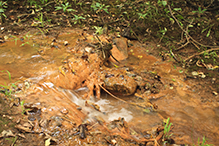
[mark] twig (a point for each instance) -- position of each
(206, 51)
(112, 94)
(136, 36)
(188, 33)
(171, 53)
(186, 37)
(182, 46)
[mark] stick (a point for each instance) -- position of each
(112, 94)
(206, 51)
(188, 33)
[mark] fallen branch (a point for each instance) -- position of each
(186, 32)
(206, 51)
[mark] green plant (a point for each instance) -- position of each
(31, 2)
(210, 55)
(99, 30)
(26, 37)
(40, 19)
(7, 89)
(12, 139)
(150, 12)
(3, 6)
(167, 127)
(77, 19)
(163, 32)
(200, 11)
(209, 30)
(44, 1)
(22, 107)
(203, 142)
(15, 39)
(162, 2)
(65, 7)
(99, 7)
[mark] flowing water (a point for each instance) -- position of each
(34, 58)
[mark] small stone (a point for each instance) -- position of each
(202, 75)
(215, 93)
(65, 43)
(64, 111)
(194, 73)
(213, 80)
(79, 108)
(88, 49)
(113, 141)
(52, 44)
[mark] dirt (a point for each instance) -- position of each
(70, 117)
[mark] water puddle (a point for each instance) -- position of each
(37, 60)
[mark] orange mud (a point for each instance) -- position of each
(56, 74)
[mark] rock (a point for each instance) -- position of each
(120, 49)
(118, 83)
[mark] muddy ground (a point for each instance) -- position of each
(69, 94)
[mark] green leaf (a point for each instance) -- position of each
(69, 10)
(9, 74)
(22, 103)
(164, 3)
(58, 8)
(177, 9)
(208, 34)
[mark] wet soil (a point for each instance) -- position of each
(60, 83)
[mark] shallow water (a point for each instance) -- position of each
(38, 60)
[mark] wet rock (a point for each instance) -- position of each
(120, 49)
(79, 108)
(80, 72)
(119, 83)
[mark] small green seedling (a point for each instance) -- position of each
(99, 30)
(65, 7)
(7, 88)
(24, 110)
(167, 129)
(203, 142)
(200, 11)
(99, 7)
(77, 19)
